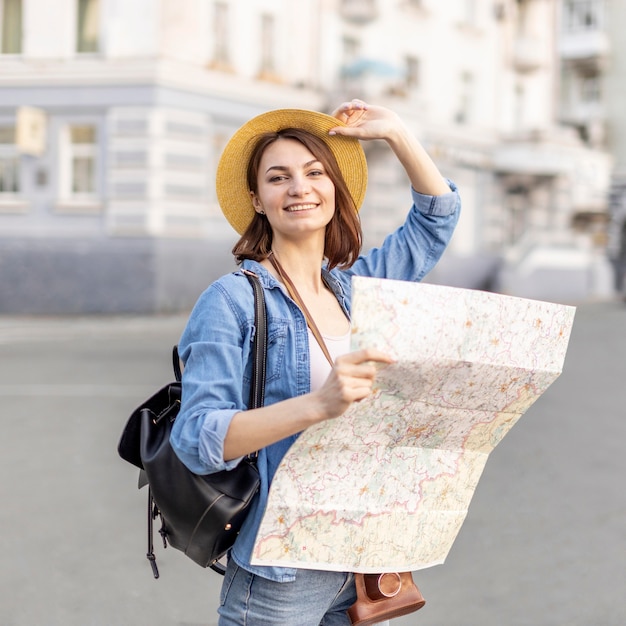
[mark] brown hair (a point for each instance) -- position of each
(343, 239)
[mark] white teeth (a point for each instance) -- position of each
(300, 207)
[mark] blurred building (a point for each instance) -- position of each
(613, 86)
(113, 115)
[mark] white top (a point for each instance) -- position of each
(320, 367)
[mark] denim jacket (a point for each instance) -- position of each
(216, 344)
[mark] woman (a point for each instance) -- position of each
(291, 182)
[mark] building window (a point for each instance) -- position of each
(221, 56)
(79, 163)
(519, 105)
(358, 11)
(350, 67)
(9, 162)
(10, 26)
(466, 98)
(268, 65)
(88, 26)
(523, 17)
(469, 9)
(351, 49)
(590, 89)
(412, 72)
(581, 15)
(83, 160)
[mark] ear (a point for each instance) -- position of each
(256, 203)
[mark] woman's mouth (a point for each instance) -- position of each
(300, 207)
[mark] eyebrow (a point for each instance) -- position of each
(284, 168)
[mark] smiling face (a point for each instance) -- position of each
(294, 190)
(341, 235)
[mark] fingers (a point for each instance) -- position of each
(350, 113)
(356, 372)
(364, 121)
(366, 355)
(348, 131)
(350, 380)
(345, 109)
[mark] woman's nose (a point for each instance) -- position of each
(299, 186)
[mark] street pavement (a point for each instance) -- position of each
(544, 542)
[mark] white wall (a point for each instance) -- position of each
(184, 28)
(131, 28)
(49, 29)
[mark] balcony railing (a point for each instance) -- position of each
(584, 45)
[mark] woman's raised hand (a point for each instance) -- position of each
(366, 121)
(350, 380)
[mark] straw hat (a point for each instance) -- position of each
(232, 185)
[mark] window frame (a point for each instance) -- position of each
(10, 153)
(221, 53)
(68, 198)
(79, 35)
(20, 26)
(577, 12)
(267, 51)
(413, 72)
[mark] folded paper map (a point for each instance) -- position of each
(386, 486)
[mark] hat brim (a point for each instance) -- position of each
(231, 181)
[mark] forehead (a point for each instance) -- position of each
(286, 151)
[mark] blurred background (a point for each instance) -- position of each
(113, 114)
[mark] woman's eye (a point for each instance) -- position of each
(316, 173)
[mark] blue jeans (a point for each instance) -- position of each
(315, 598)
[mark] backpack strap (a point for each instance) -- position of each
(257, 391)
(176, 363)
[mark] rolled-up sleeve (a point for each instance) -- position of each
(212, 350)
(411, 251)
